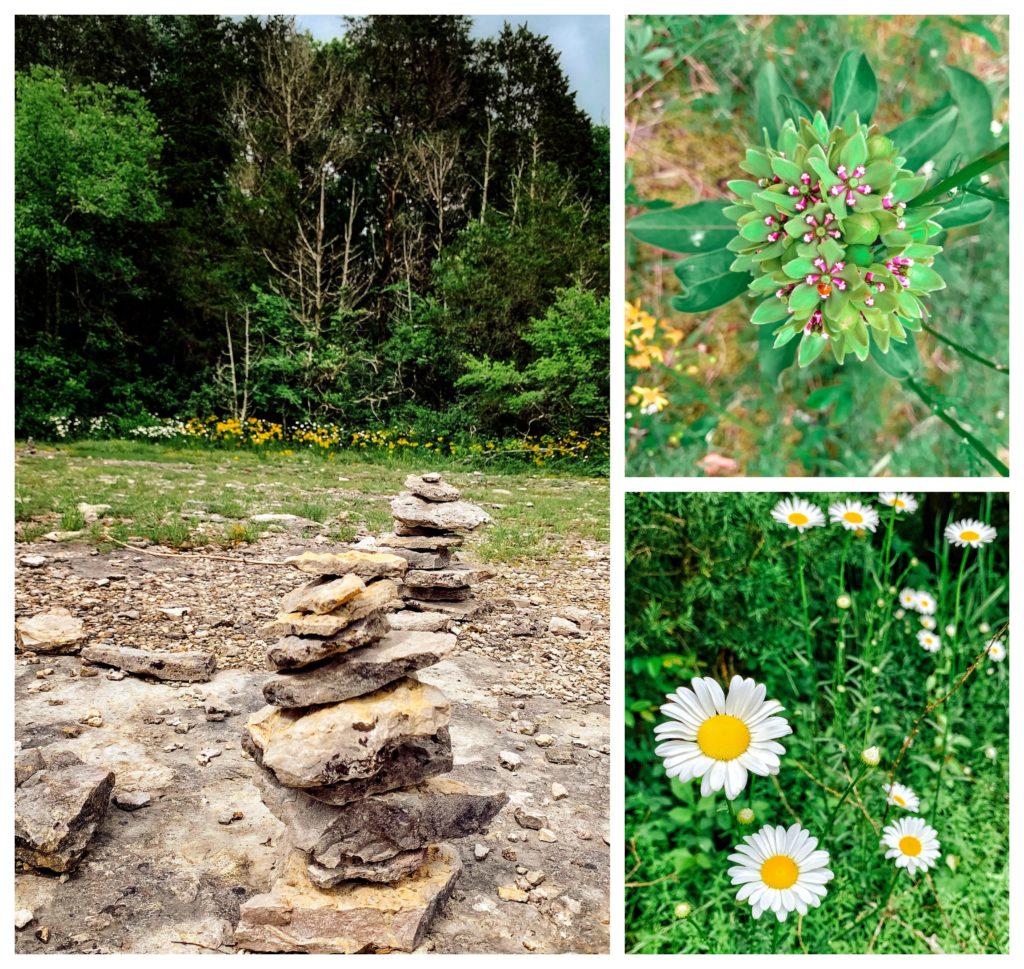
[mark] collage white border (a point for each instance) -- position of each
(619, 485)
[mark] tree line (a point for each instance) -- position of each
(405, 225)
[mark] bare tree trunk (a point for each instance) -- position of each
(488, 144)
(231, 367)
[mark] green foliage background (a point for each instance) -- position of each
(711, 590)
(690, 112)
(398, 246)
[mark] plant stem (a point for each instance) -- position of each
(956, 426)
(954, 667)
(975, 168)
(812, 699)
(835, 811)
(970, 354)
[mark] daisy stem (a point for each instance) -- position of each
(807, 640)
(954, 669)
(842, 564)
(842, 800)
(891, 890)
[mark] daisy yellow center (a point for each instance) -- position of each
(969, 536)
(899, 800)
(910, 845)
(779, 871)
(853, 517)
(798, 518)
(899, 503)
(723, 737)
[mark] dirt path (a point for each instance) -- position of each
(170, 876)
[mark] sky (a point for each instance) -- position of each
(582, 43)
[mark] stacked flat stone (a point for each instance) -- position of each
(430, 521)
(351, 746)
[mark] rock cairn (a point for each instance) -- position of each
(352, 747)
(430, 521)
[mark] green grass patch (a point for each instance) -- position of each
(184, 498)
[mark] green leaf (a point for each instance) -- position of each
(708, 282)
(769, 87)
(921, 139)
(901, 361)
(811, 347)
(798, 268)
(771, 310)
(971, 26)
(786, 170)
(773, 357)
(974, 131)
(855, 152)
(854, 88)
(968, 211)
(925, 280)
(804, 297)
(695, 228)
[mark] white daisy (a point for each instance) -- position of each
(908, 598)
(914, 844)
(928, 640)
(798, 513)
(902, 797)
(780, 871)
(900, 500)
(928, 622)
(853, 515)
(924, 603)
(720, 738)
(996, 650)
(969, 531)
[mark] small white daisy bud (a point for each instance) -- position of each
(683, 910)
(899, 613)
(876, 710)
(874, 642)
(880, 603)
(840, 688)
(967, 771)
(842, 748)
(990, 753)
(914, 563)
(844, 602)
(892, 590)
(876, 670)
(871, 756)
(952, 862)
(745, 816)
(984, 628)
(989, 671)
(951, 630)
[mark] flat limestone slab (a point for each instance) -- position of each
(426, 559)
(377, 597)
(190, 667)
(458, 593)
(428, 622)
(455, 611)
(448, 578)
(421, 543)
(345, 741)
(366, 565)
(389, 870)
(57, 809)
(456, 516)
(360, 671)
(56, 631)
(323, 595)
(384, 825)
(432, 488)
(294, 652)
(407, 762)
(296, 916)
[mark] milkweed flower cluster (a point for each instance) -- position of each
(825, 230)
